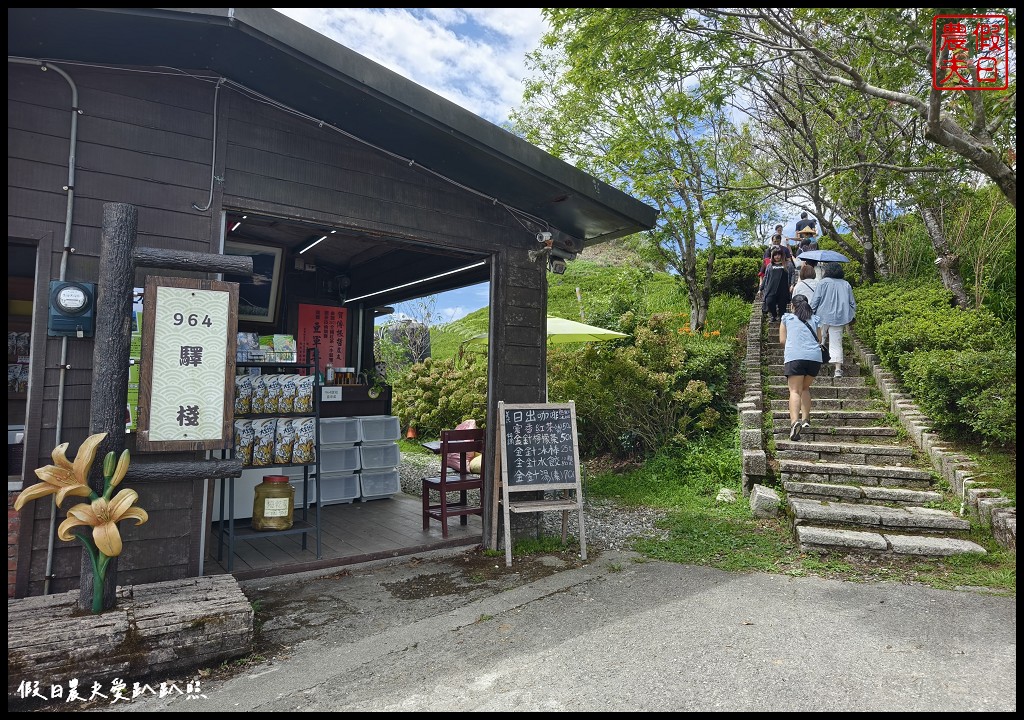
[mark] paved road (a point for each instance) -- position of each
(621, 635)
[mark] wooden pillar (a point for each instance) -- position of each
(517, 363)
(111, 345)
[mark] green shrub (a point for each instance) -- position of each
(881, 302)
(947, 329)
(669, 384)
(968, 392)
(438, 394)
(733, 276)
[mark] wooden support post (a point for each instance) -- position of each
(111, 345)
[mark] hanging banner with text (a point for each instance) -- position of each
(186, 386)
(325, 327)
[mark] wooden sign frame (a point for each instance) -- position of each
(230, 335)
(542, 442)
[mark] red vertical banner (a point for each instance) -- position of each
(323, 326)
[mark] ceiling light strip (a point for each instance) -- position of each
(312, 244)
(418, 282)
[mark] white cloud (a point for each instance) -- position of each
(450, 314)
(471, 56)
(474, 57)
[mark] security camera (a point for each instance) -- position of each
(557, 260)
(536, 255)
(543, 237)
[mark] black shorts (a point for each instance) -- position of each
(801, 367)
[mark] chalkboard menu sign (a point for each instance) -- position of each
(540, 444)
(538, 451)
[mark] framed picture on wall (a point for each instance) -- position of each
(259, 295)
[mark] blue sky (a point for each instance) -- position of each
(471, 56)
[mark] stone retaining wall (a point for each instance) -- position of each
(995, 511)
(990, 506)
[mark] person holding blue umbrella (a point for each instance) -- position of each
(833, 302)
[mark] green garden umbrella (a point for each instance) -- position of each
(562, 331)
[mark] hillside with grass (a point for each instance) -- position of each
(606, 291)
(656, 413)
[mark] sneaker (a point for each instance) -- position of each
(839, 371)
(794, 432)
(805, 425)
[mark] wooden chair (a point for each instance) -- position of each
(460, 442)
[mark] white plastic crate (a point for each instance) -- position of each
(378, 429)
(338, 487)
(339, 458)
(379, 483)
(378, 457)
(300, 499)
(339, 431)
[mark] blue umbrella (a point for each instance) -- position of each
(823, 256)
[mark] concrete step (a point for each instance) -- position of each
(876, 517)
(831, 473)
(849, 453)
(833, 433)
(822, 417)
(851, 373)
(820, 392)
(860, 494)
(775, 356)
(812, 538)
(832, 404)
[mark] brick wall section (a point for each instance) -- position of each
(13, 525)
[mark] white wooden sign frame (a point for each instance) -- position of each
(564, 504)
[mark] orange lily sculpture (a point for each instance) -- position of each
(101, 514)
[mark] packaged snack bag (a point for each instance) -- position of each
(304, 394)
(273, 385)
(244, 437)
(284, 441)
(265, 431)
(243, 394)
(289, 386)
(304, 451)
(259, 393)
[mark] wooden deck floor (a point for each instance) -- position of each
(350, 533)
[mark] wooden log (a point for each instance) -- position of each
(157, 632)
(193, 261)
(195, 470)
(111, 343)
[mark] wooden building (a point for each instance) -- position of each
(238, 127)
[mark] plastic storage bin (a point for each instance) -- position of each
(378, 429)
(379, 483)
(337, 487)
(300, 499)
(339, 458)
(377, 457)
(339, 431)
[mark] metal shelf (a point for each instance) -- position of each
(232, 530)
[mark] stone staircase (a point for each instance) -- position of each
(852, 482)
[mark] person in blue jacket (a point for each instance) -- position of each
(833, 302)
(801, 361)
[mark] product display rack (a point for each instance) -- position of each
(232, 530)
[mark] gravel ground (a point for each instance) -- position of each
(606, 523)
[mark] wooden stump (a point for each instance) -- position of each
(156, 632)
